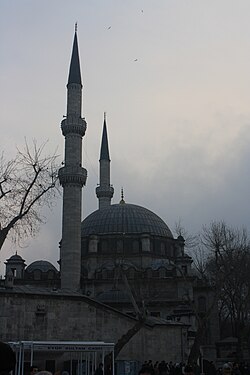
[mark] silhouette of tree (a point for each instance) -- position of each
(27, 184)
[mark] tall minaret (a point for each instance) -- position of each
(104, 191)
(72, 177)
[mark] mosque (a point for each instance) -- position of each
(122, 274)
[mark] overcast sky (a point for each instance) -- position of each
(178, 117)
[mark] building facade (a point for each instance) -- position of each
(121, 265)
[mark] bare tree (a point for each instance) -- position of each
(228, 268)
(191, 240)
(27, 184)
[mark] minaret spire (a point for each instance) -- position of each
(104, 154)
(75, 70)
(72, 177)
(104, 191)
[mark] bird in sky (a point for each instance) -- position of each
(135, 59)
(109, 27)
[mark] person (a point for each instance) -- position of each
(188, 370)
(33, 370)
(227, 369)
(236, 369)
(7, 359)
(146, 370)
(99, 370)
(163, 368)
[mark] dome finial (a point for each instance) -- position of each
(76, 27)
(105, 116)
(122, 201)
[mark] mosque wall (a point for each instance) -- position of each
(46, 317)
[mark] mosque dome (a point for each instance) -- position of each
(42, 265)
(124, 218)
(15, 258)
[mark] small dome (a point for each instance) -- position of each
(15, 258)
(181, 238)
(124, 218)
(41, 265)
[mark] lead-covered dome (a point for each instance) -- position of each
(124, 218)
(42, 265)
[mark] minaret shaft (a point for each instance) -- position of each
(105, 173)
(72, 177)
(74, 99)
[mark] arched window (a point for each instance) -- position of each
(184, 270)
(104, 274)
(110, 274)
(162, 272)
(119, 245)
(162, 249)
(13, 271)
(104, 246)
(131, 273)
(37, 275)
(155, 273)
(50, 275)
(149, 272)
(202, 304)
(98, 275)
(135, 246)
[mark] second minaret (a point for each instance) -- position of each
(104, 191)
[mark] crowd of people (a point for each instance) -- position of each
(8, 363)
(208, 368)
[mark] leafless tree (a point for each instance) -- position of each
(228, 268)
(28, 182)
(191, 240)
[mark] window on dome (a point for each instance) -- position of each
(149, 273)
(135, 246)
(13, 271)
(131, 273)
(50, 275)
(98, 275)
(110, 274)
(37, 275)
(155, 273)
(162, 272)
(104, 246)
(170, 251)
(119, 245)
(104, 274)
(163, 249)
(184, 270)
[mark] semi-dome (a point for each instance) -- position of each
(41, 265)
(124, 218)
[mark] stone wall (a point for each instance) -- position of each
(60, 317)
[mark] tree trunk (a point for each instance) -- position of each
(195, 350)
(123, 340)
(3, 235)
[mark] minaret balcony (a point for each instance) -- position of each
(105, 191)
(73, 125)
(72, 175)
